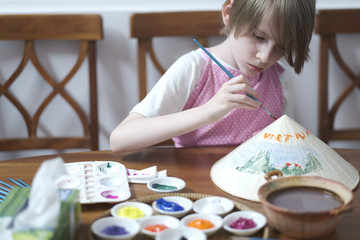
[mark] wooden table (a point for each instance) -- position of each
(190, 164)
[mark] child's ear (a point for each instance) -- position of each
(226, 12)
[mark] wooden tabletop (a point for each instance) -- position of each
(190, 164)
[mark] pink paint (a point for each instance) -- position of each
(107, 194)
(112, 196)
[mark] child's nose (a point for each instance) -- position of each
(265, 53)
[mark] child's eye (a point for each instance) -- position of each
(258, 37)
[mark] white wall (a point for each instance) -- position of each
(117, 76)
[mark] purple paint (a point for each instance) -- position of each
(114, 230)
(243, 223)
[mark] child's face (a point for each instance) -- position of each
(256, 51)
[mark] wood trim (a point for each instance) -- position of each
(332, 21)
(329, 23)
(323, 121)
(352, 134)
(84, 29)
(44, 143)
(51, 27)
(142, 76)
(147, 25)
(94, 123)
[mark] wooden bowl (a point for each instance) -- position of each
(304, 224)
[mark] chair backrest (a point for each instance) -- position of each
(328, 24)
(147, 26)
(85, 30)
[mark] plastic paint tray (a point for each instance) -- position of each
(97, 181)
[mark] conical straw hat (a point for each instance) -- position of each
(283, 145)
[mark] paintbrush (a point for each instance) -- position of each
(231, 76)
(23, 183)
(13, 181)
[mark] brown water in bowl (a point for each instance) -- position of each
(305, 199)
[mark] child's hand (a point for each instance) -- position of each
(232, 95)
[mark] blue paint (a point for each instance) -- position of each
(168, 206)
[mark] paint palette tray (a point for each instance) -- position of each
(97, 181)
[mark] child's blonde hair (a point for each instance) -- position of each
(294, 18)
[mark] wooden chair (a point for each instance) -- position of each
(147, 26)
(329, 23)
(85, 30)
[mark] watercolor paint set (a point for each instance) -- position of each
(97, 181)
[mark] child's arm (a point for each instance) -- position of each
(137, 132)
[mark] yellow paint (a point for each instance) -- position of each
(131, 212)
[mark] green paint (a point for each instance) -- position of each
(105, 167)
(163, 187)
(260, 163)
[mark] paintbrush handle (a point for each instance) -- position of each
(231, 76)
(5, 184)
(220, 65)
(23, 183)
(214, 59)
(5, 189)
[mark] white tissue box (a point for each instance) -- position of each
(68, 222)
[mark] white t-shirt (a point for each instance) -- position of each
(171, 92)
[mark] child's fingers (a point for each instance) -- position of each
(241, 88)
(239, 79)
(242, 85)
(243, 101)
